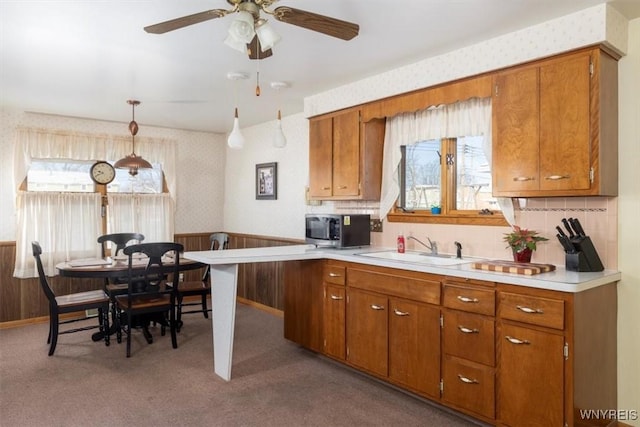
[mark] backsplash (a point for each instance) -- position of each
(598, 216)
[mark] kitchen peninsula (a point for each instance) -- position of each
(496, 346)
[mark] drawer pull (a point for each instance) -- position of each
(336, 297)
(377, 307)
(523, 178)
(467, 330)
(342, 187)
(335, 275)
(467, 299)
(557, 177)
(516, 340)
(529, 310)
(400, 313)
(326, 188)
(467, 380)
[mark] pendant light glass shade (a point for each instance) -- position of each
(236, 140)
(132, 161)
(267, 36)
(279, 140)
(242, 27)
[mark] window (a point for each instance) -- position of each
(63, 175)
(426, 164)
(458, 162)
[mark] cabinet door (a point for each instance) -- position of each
(346, 154)
(334, 321)
(515, 149)
(367, 331)
(303, 303)
(414, 345)
(564, 124)
(320, 157)
(530, 377)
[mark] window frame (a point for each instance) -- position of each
(448, 191)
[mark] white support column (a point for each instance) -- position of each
(224, 286)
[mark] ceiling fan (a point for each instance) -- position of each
(255, 48)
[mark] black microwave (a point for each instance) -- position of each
(338, 231)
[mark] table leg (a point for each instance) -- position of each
(224, 286)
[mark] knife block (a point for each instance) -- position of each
(585, 258)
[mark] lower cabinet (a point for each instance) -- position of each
(393, 327)
(507, 355)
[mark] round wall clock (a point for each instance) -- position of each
(102, 173)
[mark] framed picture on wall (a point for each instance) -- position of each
(267, 181)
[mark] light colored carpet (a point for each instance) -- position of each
(274, 382)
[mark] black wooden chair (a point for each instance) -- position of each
(70, 303)
(116, 286)
(201, 288)
(149, 293)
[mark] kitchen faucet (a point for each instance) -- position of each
(458, 250)
(432, 246)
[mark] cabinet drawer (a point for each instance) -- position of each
(534, 310)
(469, 336)
(469, 385)
(474, 300)
(420, 290)
(335, 274)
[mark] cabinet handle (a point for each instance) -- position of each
(529, 310)
(377, 307)
(336, 297)
(467, 330)
(400, 313)
(467, 380)
(334, 275)
(467, 299)
(523, 178)
(342, 187)
(557, 177)
(516, 340)
(326, 188)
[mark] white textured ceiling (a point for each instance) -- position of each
(86, 58)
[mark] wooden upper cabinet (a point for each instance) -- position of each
(555, 127)
(345, 157)
(320, 157)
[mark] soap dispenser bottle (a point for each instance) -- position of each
(400, 243)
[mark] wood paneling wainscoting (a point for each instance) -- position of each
(260, 283)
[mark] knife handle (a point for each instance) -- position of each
(568, 227)
(562, 233)
(579, 228)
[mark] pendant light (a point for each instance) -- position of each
(132, 161)
(235, 139)
(279, 140)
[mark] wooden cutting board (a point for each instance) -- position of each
(513, 267)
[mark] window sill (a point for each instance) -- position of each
(428, 218)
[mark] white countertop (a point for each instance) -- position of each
(558, 280)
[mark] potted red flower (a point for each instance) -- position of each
(522, 243)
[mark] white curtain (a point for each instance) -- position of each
(149, 214)
(68, 224)
(465, 118)
(33, 143)
(63, 223)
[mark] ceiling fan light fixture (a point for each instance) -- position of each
(266, 34)
(133, 162)
(235, 44)
(242, 27)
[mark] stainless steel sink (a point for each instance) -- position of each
(419, 258)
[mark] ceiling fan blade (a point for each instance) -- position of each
(174, 24)
(312, 21)
(253, 49)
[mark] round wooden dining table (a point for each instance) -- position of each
(112, 268)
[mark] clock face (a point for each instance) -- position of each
(102, 173)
